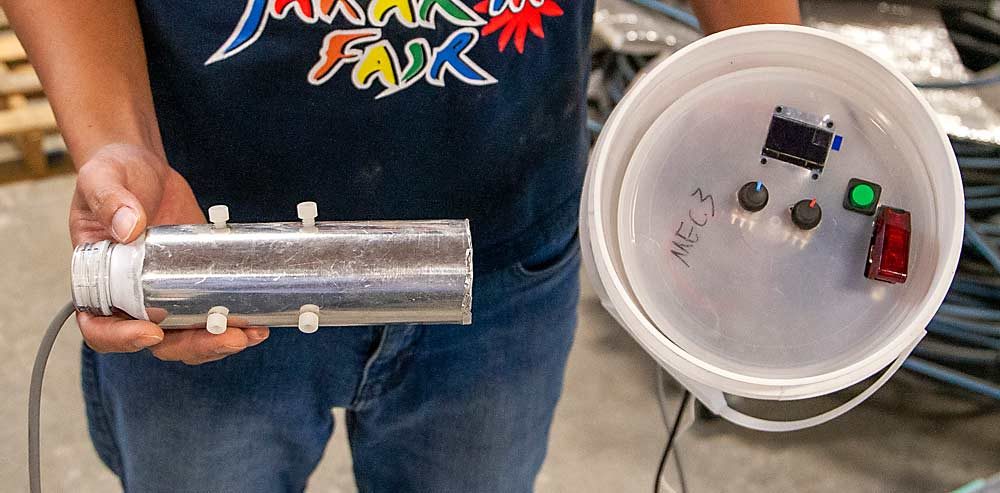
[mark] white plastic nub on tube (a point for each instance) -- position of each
(309, 319)
(307, 213)
(218, 215)
(217, 320)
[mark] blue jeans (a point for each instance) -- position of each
(429, 408)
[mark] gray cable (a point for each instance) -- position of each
(35, 395)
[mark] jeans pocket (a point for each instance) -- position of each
(550, 260)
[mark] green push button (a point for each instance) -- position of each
(862, 196)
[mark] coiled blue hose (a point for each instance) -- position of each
(956, 378)
(679, 15)
(982, 82)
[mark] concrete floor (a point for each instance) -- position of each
(607, 433)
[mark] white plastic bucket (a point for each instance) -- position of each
(756, 307)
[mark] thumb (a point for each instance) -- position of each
(104, 188)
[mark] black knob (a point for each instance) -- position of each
(753, 196)
(806, 214)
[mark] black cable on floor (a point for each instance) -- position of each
(670, 440)
(661, 400)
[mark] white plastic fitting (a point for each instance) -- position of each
(307, 213)
(218, 215)
(308, 319)
(217, 319)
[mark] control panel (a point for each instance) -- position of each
(805, 140)
(772, 213)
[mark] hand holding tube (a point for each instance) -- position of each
(120, 190)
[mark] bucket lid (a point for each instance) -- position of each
(730, 213)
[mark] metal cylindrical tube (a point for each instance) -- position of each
(346, 273)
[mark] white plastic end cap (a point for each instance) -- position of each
(309, 318)
(218, 215)
(217, 320)
(307, 213)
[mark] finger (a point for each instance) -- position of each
(195, 346)
(217, 353)
(117, 334)
(192, 356)
(83, 225)
(196, 362)
(103, 189)
(256, 335)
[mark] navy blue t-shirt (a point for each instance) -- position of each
(379, 109)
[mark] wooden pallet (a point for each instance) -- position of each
(28, 131)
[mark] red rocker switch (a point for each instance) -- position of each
(889, 252)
